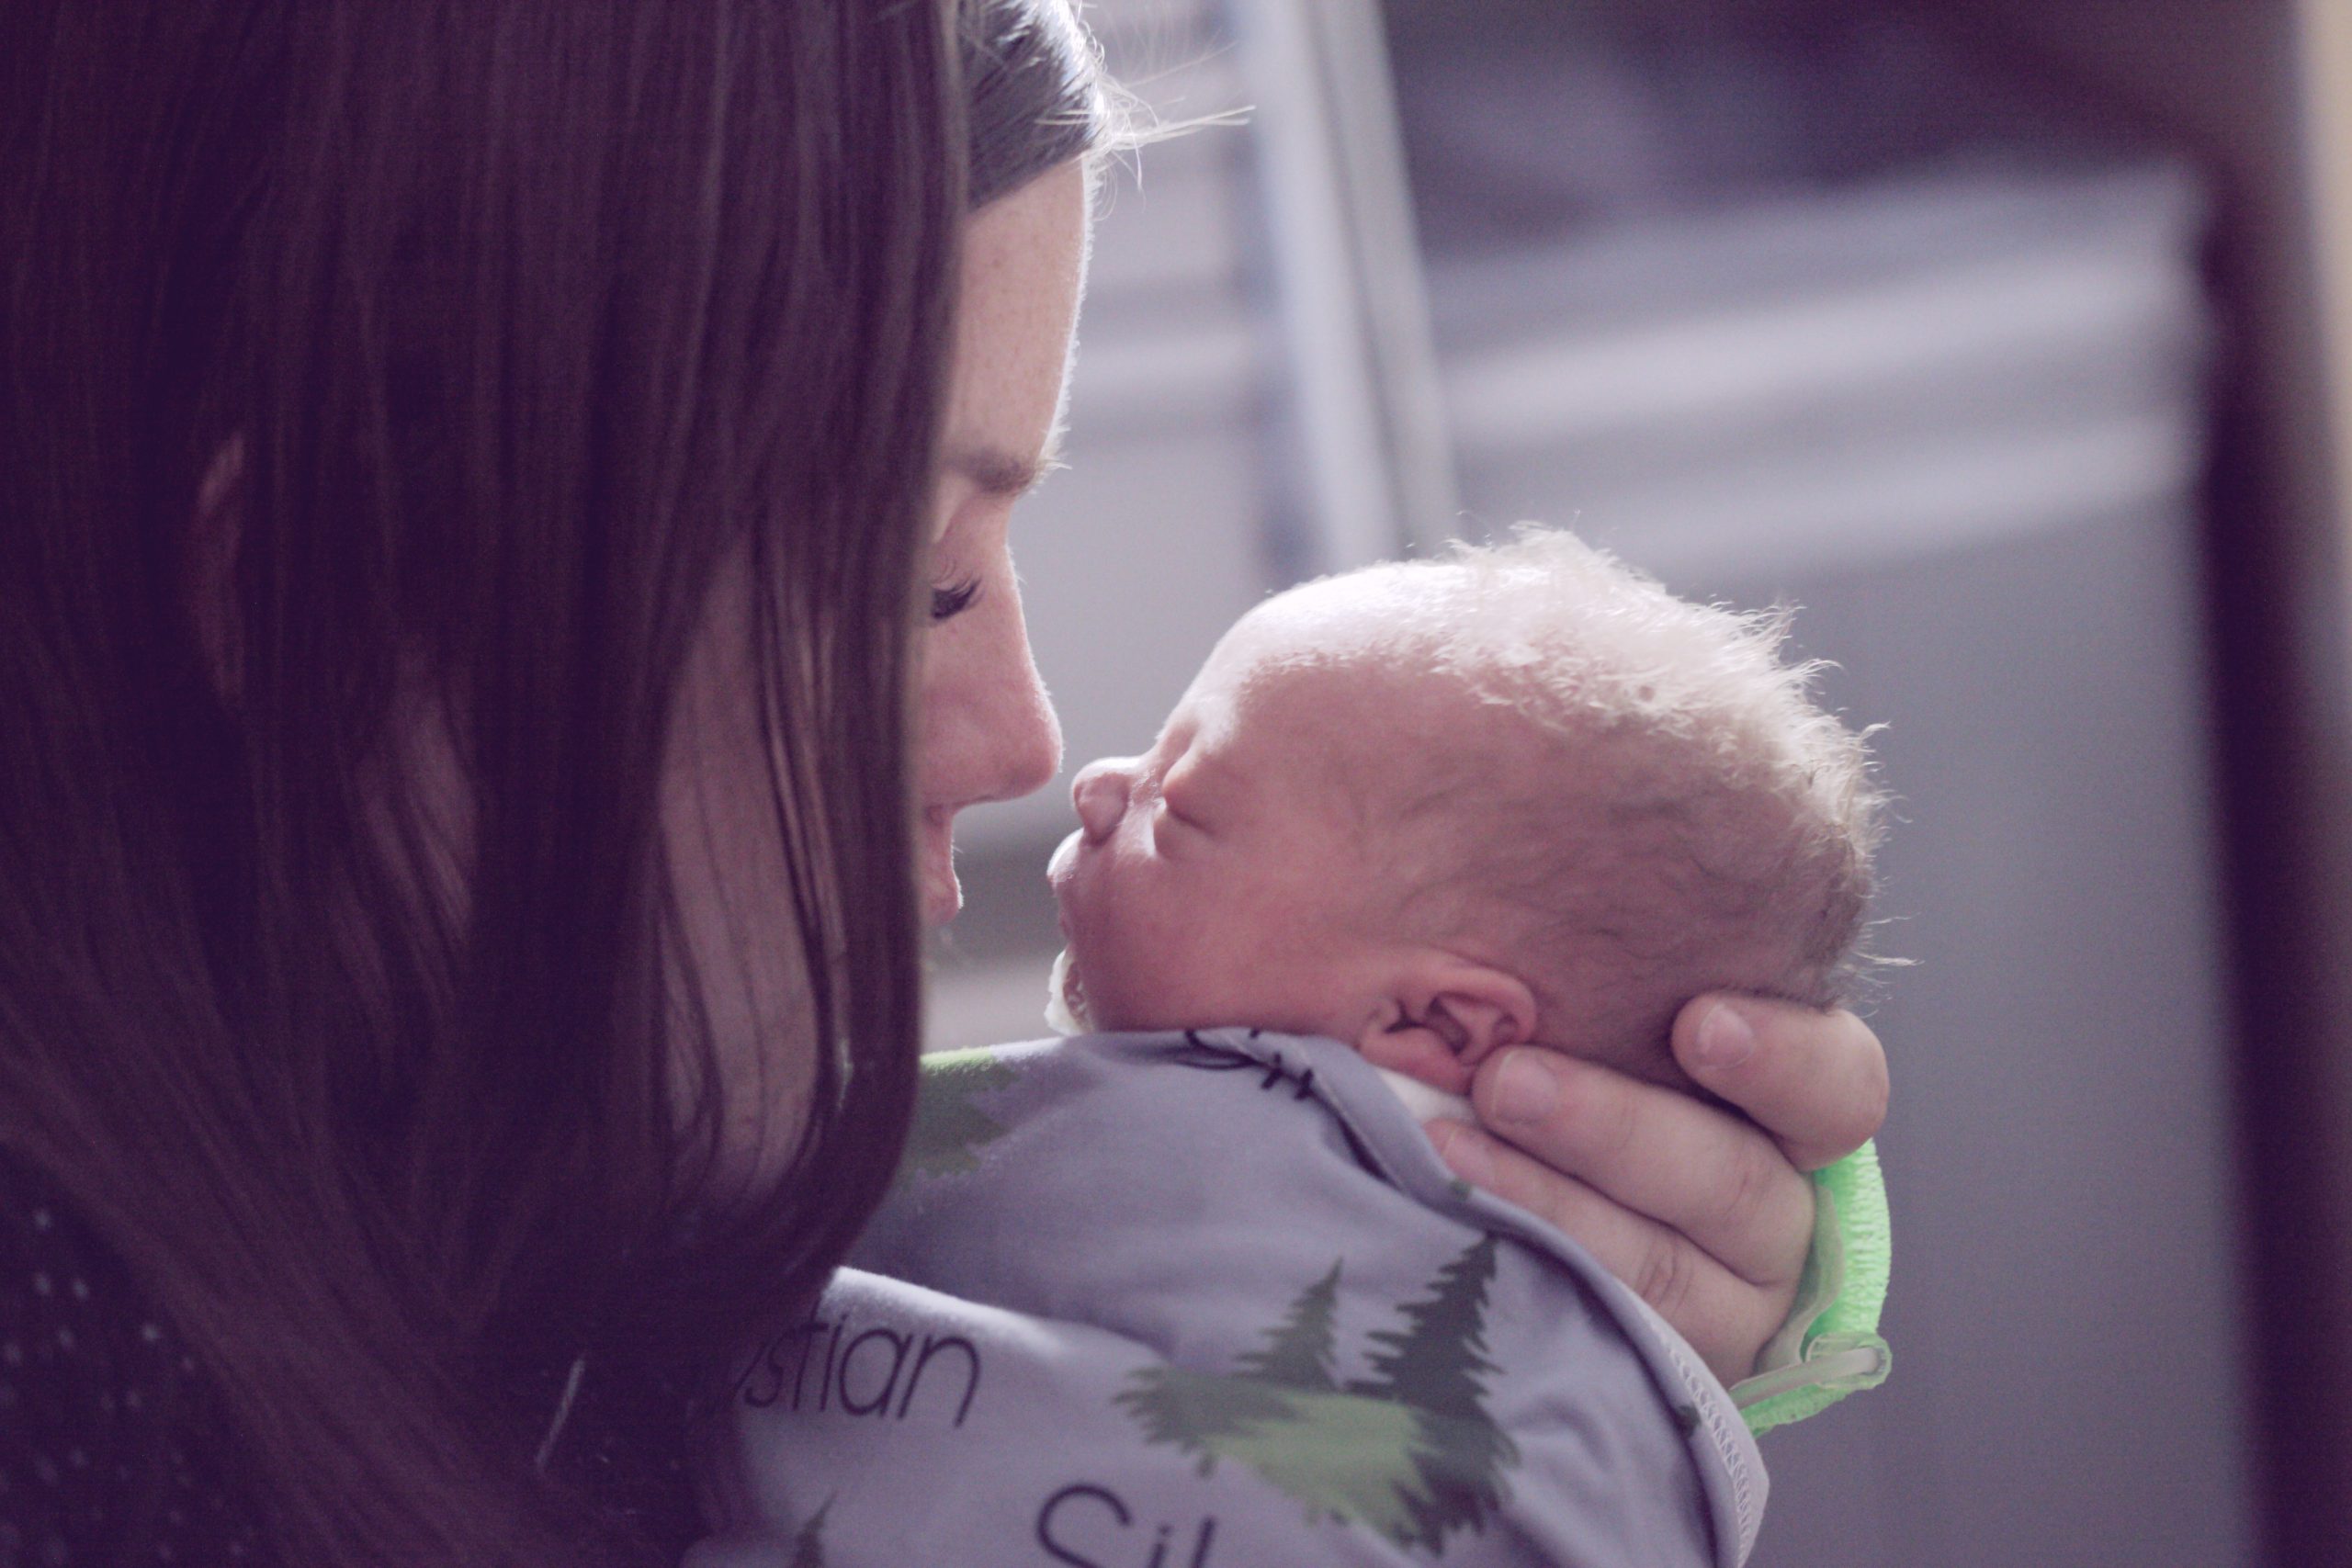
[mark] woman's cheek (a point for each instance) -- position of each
(944, 705)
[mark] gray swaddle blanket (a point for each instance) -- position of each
(1210, 1300)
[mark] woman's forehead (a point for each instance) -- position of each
(1022, 269)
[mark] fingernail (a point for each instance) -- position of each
(1725, 1038)
(1464, 1152)
(1525, 1089)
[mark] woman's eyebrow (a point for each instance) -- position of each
(1001, 474)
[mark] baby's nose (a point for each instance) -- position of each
(1100, 793)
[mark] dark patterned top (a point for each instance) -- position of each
(110, 1446)
(114, 1452)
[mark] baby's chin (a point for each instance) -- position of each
(1066, 1010)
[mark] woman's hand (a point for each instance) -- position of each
(1706, 1215)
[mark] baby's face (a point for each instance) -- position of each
(1223, 877)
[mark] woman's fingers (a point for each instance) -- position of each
(1659, 1153)
(1702, 1212)
(1816, 1081)
(1724, 1318)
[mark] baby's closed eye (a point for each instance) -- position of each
(1189, 816)
(1170, 826)
(1184, 801)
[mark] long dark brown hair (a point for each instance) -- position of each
(510, 331)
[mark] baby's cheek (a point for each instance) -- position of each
(1148, 964)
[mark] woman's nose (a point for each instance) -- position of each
(988, 729)
(1028, 751)
(1100, 793)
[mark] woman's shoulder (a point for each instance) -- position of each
(109, 1446)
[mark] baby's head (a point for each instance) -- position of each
(1435, 808)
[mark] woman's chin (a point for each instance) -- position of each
(940, 901)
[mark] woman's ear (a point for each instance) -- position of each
(215, 534)
(1442, 1016)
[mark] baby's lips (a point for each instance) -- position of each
(1063, 860)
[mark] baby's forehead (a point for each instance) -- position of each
(1375, 712)
(1338, 681)
(1332, 639)
(1334, 613)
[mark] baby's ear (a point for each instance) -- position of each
(1443, 1016)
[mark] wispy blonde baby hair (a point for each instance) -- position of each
(1641, 789)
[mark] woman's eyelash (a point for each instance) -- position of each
(952, 600)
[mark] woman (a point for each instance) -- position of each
(467, 482)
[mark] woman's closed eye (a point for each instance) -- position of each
(953, 599)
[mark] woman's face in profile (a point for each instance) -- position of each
(984, 729)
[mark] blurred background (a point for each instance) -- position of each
(2000, 336)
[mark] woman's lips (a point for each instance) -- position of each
(941, 896)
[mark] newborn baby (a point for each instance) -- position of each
(1197, 1293)
(1438, 808)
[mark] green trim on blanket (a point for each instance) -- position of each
(1829, 1347)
